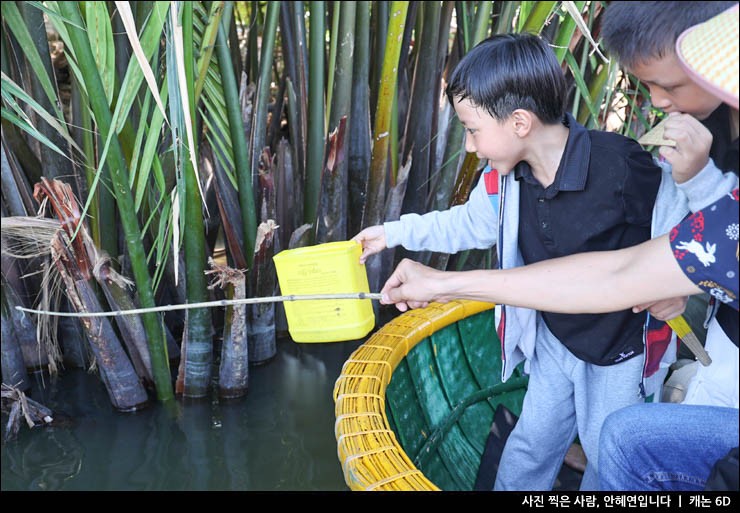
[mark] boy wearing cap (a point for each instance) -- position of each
(704, 162)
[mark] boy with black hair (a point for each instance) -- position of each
(552, 188)
(642, 36)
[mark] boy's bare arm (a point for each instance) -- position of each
(595, 282)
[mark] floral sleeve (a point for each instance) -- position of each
(705, 245)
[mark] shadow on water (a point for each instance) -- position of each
(280, 437)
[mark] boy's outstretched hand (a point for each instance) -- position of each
(372, 239)
(693, 141)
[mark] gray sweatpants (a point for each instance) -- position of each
(565, 397)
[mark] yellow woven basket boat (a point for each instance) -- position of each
(415, 402)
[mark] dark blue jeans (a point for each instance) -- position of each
(664, 446)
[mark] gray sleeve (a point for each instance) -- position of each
(472, 225)
(708, 186)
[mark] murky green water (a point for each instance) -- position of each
(280, 437)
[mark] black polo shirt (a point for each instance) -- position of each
(602, 199)
(724, 152)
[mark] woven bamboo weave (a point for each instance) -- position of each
(371, 457)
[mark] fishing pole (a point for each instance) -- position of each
(207, 304)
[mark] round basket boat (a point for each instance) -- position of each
(414, 404)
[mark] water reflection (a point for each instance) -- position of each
(279, 437)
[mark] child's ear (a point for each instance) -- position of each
(522, 122)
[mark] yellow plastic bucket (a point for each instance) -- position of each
(330, 268)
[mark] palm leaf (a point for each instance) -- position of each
(14, 21)
(100, 34)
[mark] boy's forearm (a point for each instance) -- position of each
(586, 283)
(469, 226)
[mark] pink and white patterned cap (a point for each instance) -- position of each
(709, 53)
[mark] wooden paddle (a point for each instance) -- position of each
(687, 335)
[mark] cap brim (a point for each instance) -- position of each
(709, 54)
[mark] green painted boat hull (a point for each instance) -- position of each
(442, 397)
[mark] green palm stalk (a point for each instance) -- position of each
(239, 145)
(316, 132)
(199, 354)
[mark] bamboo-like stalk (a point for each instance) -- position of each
(228, 206)
(379, 34)
(455, 145)
(597, 89)
(376, 183)
(76, 352)
(24, 328)
(288, 188)
(83, 131)
(537, 17)
(13, 366)
(233, 378)
(199, 354)
(564, 37)
(289, 183)
(463, 24)
(332, 184)
(10, 189)
(124, 388)
(375, 198)
(423, 107)
(262, 279)
(383, 265)
(335, 11)
(358, 165)
(331, 224)
(316, 133)
(259, 114)
(294, 44)
(239, 146)
(252, 48)
(130, 327)
(504, 16)
(124, 199)
(301, 83)
(465, 179)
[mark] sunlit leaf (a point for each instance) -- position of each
(100, 33)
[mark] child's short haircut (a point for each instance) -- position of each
(511, 71)
(637, 32)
